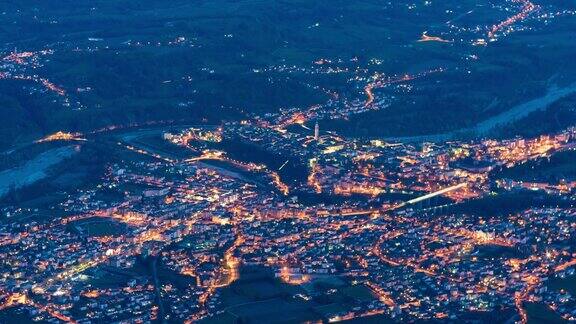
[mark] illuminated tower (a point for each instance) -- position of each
(317, 131)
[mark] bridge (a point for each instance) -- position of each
(435, 193)
(409, 202)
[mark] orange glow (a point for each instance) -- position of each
(426, 38)
(62, 136)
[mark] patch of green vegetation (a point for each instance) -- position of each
(506, 203)
(559, 166)
(487, 252)
(359, 292)
(374, 319)
(224, 318)
(255, 284)
(568, 284)
(328, 311)
(257, 296)
(538, 313)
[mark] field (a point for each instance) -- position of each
(568, 284)
(506, 203)
(558, 167)
(257, 296)
(538, 313)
